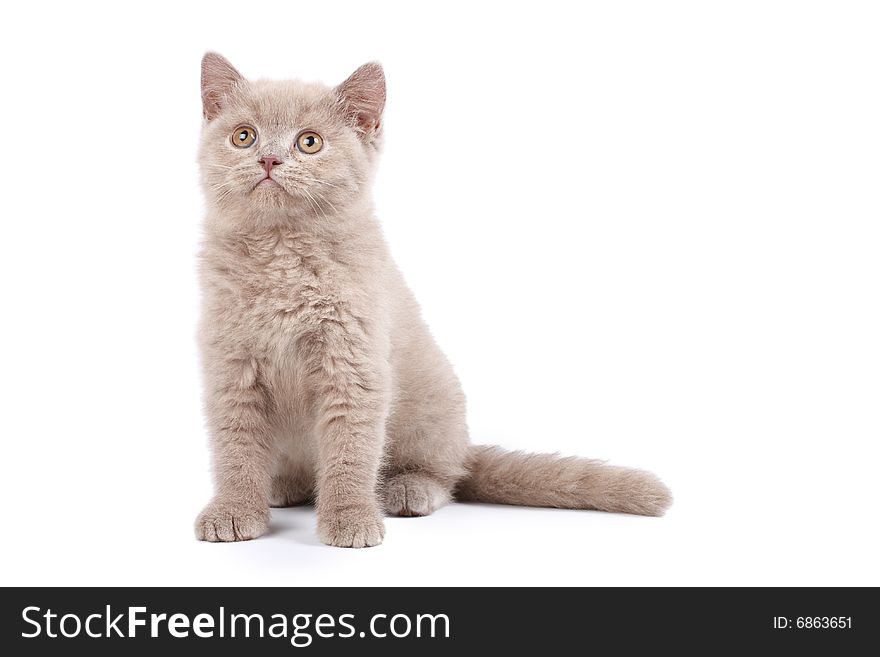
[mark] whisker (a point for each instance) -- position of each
(317, 204)
(308, 197)
(320, 182)
(324, 200)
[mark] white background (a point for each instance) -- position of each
(642, 231)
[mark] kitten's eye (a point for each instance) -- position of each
(244, 136)
(309, 142)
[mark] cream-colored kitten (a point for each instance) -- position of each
(322, 381)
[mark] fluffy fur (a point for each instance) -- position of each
(322, 382)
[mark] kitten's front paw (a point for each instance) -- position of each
(355, 528)
(222, 521)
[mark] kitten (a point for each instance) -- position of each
(322, 381)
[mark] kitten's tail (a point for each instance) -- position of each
(500, 477)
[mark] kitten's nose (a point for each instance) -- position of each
(269, 161)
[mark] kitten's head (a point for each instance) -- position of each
(275, 152)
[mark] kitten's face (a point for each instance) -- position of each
(283, 152)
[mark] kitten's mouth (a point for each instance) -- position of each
(268, 181)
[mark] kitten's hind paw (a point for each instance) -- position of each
(414, 494)
(231, 521)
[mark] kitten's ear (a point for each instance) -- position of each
(362, 97)
(219, 78)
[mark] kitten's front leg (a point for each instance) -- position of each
(237, 408)
(352, 380)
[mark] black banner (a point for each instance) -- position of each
(107, 621)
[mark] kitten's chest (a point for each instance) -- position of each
(277, 292)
